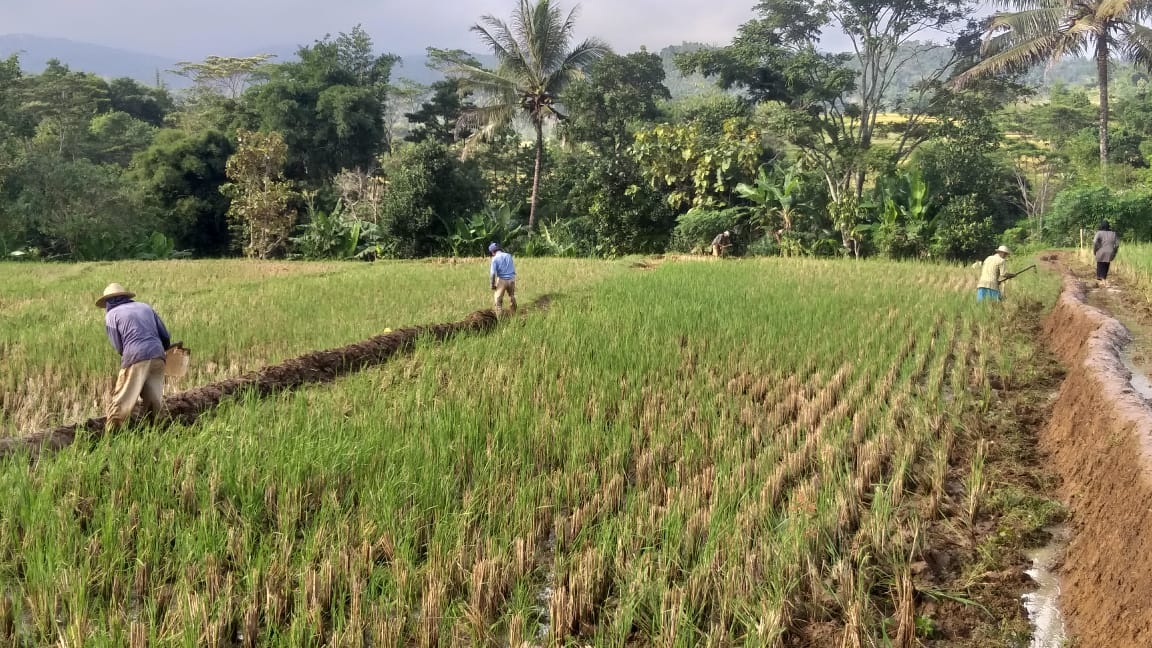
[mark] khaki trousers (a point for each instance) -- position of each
(504, 286)
(143, 379)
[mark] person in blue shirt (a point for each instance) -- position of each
(503, 278)
(139, 336)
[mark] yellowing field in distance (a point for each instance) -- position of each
(725, 454)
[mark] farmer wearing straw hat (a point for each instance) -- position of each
(502, 277)
(993, 273)
(139, 336)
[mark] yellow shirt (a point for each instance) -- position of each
(992, 272)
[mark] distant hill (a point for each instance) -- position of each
(109, 62)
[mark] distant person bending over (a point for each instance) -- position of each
(993, 272)
(503, 278)
(1105, 245)
(721, 243)
(139, 336)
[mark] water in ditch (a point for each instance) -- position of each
(1043, 604)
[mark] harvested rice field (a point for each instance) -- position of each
(668, 453)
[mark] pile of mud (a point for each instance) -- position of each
(316, 367)
(1100, 438)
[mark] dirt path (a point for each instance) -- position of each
(1100, 441)
(316, 367)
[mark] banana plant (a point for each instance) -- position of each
(776, 199)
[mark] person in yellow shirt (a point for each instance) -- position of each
(993, 272)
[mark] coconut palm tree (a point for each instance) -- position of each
(534, 63)
(1039, 31)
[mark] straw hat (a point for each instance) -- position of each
(1003, 249)
(113, 290)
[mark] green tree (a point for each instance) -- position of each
(76, 209)
(60, 105)
(114, 137)
(619, 94)
(696, 169)
(829, 106)
(180, 175)
(329, 106)
(12, 231)
(1048, 30)
(535, 64)
(149, 105)
(437, 118)
(226, 76)
(261, 199)
(428, 189)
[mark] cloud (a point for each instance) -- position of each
(189, 29)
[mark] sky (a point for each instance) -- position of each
(187, 29)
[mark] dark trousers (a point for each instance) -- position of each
(1102, 269)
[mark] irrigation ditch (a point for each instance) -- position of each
(316, 367)
(1099, 440)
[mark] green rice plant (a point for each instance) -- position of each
(680, 456)
(976, 484)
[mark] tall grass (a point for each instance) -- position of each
(1133, 263)
(682, 457)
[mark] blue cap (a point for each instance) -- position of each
(492, 247)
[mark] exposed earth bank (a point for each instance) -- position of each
(1099, 438)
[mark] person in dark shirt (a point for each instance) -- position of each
(139, 336)
(1105, 244)
(721, 243)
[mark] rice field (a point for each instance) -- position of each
(1133, 264)
(235, 315)
(704, 454)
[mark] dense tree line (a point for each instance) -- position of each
(900, 148)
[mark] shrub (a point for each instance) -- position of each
(1129, 212)
(696, 228)
(962, 232)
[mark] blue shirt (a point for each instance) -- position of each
(136, 333)
(502, 266)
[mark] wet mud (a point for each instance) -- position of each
(1044, 613)
(1099, 439)
(316, 367)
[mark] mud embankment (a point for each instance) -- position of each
(1100, 440)
(315, 367)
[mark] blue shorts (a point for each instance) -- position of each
(987, 293)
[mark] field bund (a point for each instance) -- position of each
(1100, 438)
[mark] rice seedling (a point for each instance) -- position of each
(697, 455)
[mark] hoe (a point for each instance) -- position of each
(1017, 274)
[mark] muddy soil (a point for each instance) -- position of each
(1099, 439)
(316, 367)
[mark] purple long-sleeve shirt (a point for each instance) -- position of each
(136, 332)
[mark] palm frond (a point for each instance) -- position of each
(477, 79)
(575, 64)
(1028, 5)
(501, 40)
(1021, 56)
(1114, 8)
(558, 39)
(1023, 25)
(1139, 11)
(1136, 44)
(484, 122)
